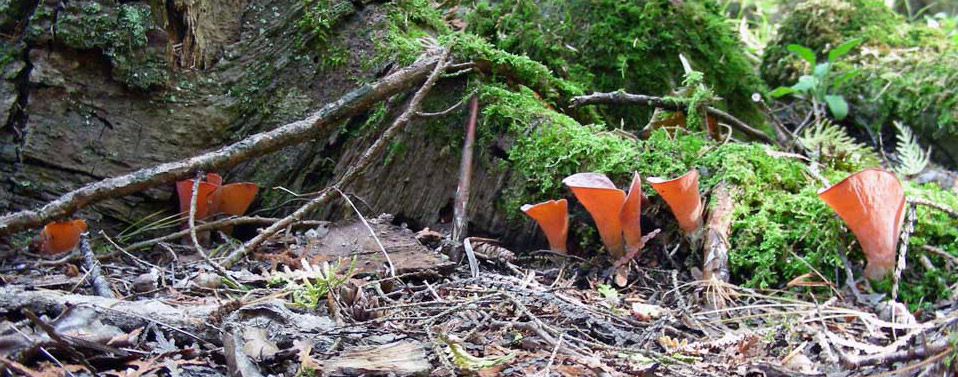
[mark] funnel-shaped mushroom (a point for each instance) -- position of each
(631, 213)
(235, 198)
(553, 218)
(682, 195)
(604, 202)
(60, 237)
(206, 201)
(872, 203)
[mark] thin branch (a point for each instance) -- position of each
(628, 98)
(350, 104)
(449, 110)
(100, 285)
(326, 194)
(196, 243)
(927, 203)
(389, 261)
(903, 250)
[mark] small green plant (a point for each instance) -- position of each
(823, 84)
(608, 293)
(911, 158)
(317, 281)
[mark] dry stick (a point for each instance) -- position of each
(927, 203)
(715, 264)
(191, 221)
(627, 98)
(389, 262)
(350, 104)
(326, 194)
(460, 219)
(906, 235)
(101, 286)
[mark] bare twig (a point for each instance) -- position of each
(905, 236)
(222, 272)
(448, 110)
(325, 195)
(389, 262)
(257, 145)
(460, 218)
(100, 285)
(627, 98)
(927, 203)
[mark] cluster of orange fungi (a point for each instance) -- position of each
(214, 197)
(871, 203)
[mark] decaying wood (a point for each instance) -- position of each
(397, 359)
(438, 65)
(624, 98)
(257, 145)
(715, 264)
(188, 323)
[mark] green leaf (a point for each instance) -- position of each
(821, 70)
(844, 77)
(843, 49)
(802, 52)
(838, 106)
(805, 83)
(782, 91)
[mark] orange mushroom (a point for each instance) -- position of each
(214, 197)
(60, 237)
(604, 202)
(630, 215)
(682, 195)
(206, 202)
(872, 203)
(553, 218)
(235, 198)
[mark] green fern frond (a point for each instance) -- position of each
(829, 144)
(911, 158)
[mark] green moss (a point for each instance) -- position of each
(407, 26)
(119, 31)
(607, 45)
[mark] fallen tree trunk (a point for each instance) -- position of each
(260, 144)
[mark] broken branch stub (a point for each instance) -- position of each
(872, 203)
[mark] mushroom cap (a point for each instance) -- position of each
(604, 202)
(631, 214)
(235, 198)
(553, 218)
(872, 203)
(682, 195)
(207, 202)
(60, 237)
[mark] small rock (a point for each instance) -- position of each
(208, 280)
(146, 282)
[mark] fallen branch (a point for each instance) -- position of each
(326, 194)
(95, 277)
(624, 98)
(260, 144)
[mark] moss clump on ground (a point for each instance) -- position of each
(118, 30)
(609, 45)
